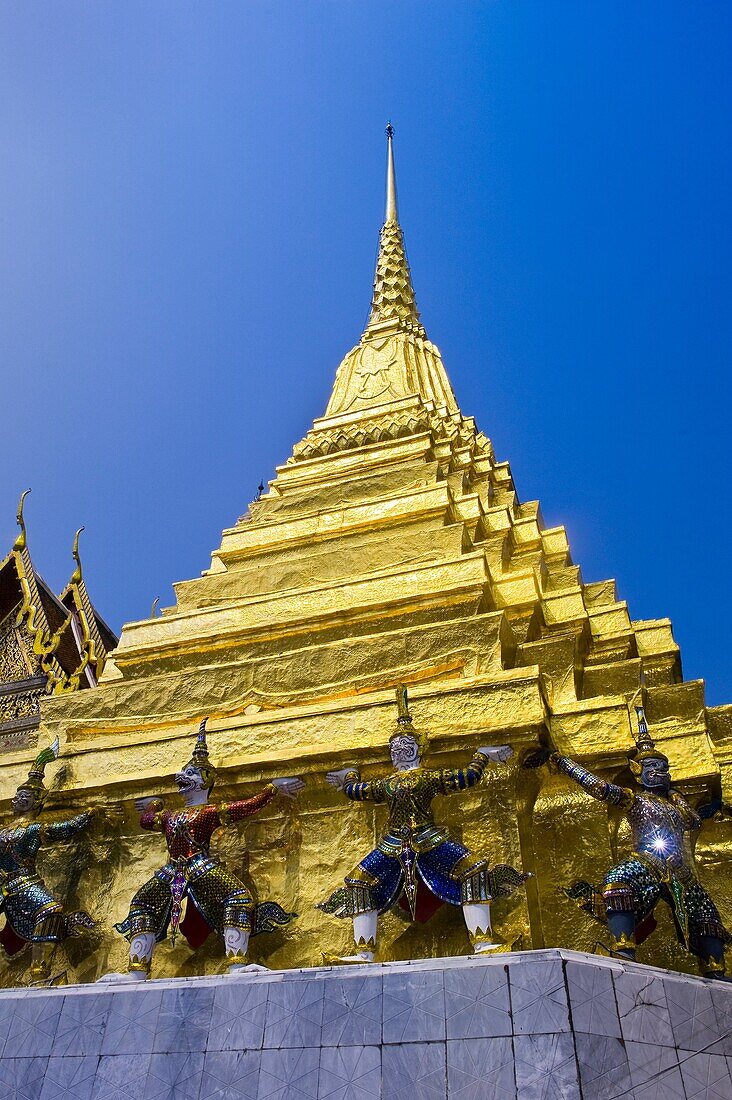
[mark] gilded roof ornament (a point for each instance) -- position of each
(21, 541)
(77, 574)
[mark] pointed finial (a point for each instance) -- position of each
(20, 542)
(645, 746)
(76, 575)
(402, 700)
(154, 607)
(393, 307)
(392, 214)
(200, 752)
(200, 756)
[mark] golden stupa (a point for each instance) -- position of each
(391, 548)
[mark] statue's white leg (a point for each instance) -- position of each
(364, 936)
(142, 947)
(41, 954)
(236, 942)
(480, 930)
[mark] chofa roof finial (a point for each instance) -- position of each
(77, 574)
(21, 541)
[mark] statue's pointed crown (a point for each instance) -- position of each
(200, 758)
(404, 726)
(200, 749)
(34, 782)
(645, 746)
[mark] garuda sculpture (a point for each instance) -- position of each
(416, 866)
(215, 899)
(32, 915)
(661, 866)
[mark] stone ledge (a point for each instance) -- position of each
(522, 1025)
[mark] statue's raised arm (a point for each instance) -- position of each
(459, 779)
(349, 781)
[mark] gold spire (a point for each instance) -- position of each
(393, 359)
(76, 575)
(392, 213)
(393, 306)
(21, 541)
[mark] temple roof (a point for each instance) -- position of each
(47, 643)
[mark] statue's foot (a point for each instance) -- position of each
(625, 954)
(246, 968)
(48, 980)
(128, 976)
(330, 959)
(490, 948)
(718, 976)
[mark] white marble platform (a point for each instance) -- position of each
(548, 1024)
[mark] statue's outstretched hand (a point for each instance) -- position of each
(534, 758)
(708, 810)
(716, 808)
(111, 815)
(290, 787)
(338, 779)
(142, 804)
(497, 754)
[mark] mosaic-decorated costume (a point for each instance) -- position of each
(217, 897)
(416, 865)
(415, 850)
(661, 866)
(216, 900)
(32, 915)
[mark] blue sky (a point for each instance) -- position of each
(190, 198)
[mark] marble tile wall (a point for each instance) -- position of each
(541, 1025)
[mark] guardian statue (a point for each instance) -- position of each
(32, 915)
(661, 866)
(215, 899)
(417, 866)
